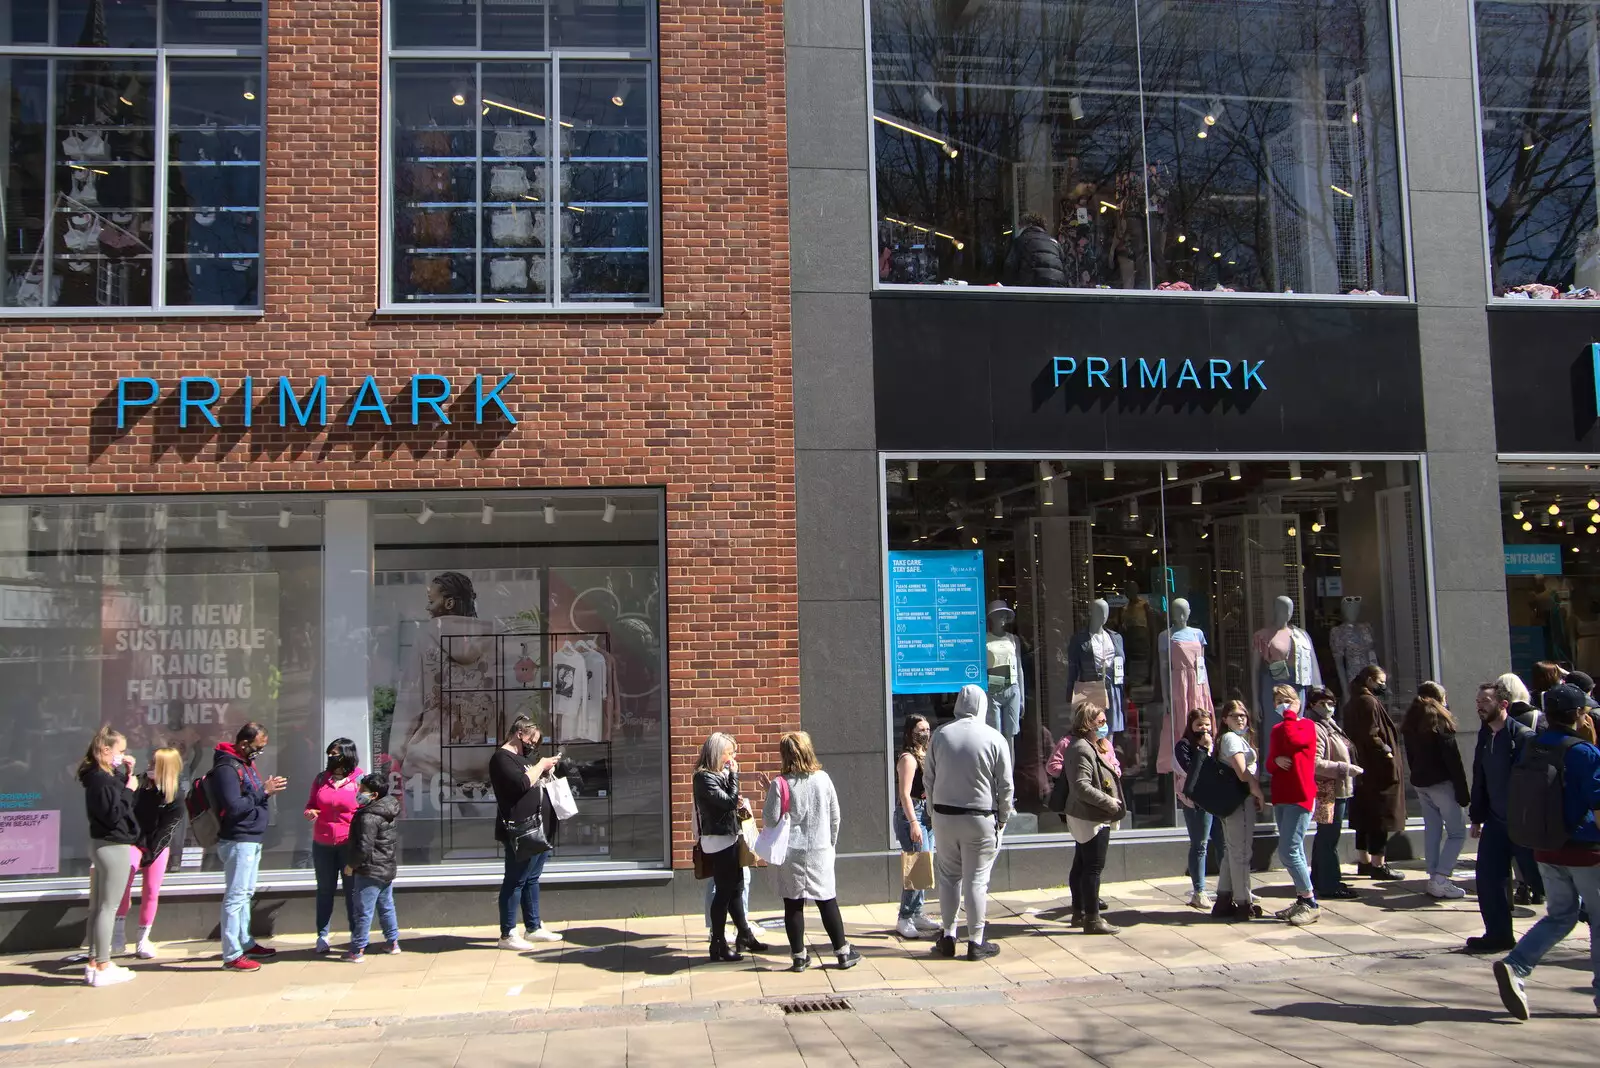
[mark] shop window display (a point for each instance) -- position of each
(1552, 563)
(1155, 587)
(1138, 145)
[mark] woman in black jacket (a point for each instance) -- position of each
(159, 809)
(515, 771)
(1429, 734)
(106, 773)
(718, 809)
(370, 856)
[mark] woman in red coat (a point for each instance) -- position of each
(1378, 806)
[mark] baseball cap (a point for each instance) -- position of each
(1580, 679)
(1564, 702)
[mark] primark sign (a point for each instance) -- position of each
(422, 401)
(1202, 376)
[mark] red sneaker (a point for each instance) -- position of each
(241, 964)
(259, 950)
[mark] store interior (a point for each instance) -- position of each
(1216, 579)
(1550, 519)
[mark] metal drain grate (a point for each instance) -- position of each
(803, 1006)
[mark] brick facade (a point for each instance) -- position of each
(696, 400)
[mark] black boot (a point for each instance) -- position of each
(1222, 907)
(747, 942)
(721, 952)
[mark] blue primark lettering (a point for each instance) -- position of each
(185, 402)
(1154, 374)
(1152, 377)
(436, 403)
(1064, 367)
(1252, 372)
(1219, 373)
(368, 386)
(287, 401)
(124, 402)
(493, 397)
(1101, 373)
(1124, 364)
(1187, 374)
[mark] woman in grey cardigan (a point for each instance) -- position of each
(806, 873)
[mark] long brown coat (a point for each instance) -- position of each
(1379, 801)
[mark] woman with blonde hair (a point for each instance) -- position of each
(804, 792)
(718, 811)
(106, 773)
(158, 807)
(1234, 751)
(1094, 803)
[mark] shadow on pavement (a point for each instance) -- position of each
(1384, 1015)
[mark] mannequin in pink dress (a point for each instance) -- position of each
(1182, 652)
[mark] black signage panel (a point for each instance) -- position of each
(1543, 361)
(988, 372)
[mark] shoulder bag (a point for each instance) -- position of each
(525, 837)
(1214, 787)
(702, 863)
(772, 844)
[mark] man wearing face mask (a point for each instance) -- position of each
(242, 798)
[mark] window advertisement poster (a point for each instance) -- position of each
(935, 621)
(30, 843)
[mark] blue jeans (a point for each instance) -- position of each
(1493, 871)
(241, 862)
(1325, 874)
(911, 900)
(366, 895)
(1444, 828)
(1204, 830)
(521, 883)
(1564, 889)
(328, 862)
(1292, 821)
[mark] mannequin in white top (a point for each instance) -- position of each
(1351, 643)
(1004, 656)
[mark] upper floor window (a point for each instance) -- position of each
(522, 154)
(1138, 144)
(132, 180)
(1537, 90)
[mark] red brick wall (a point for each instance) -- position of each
(697, 400)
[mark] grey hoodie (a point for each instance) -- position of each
(969, 762)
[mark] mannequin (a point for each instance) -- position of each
(1281, 655)
(1351, 644)
(1182, 652)
(1096, 663)
(1004, 655)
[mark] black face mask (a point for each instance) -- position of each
(1381, 690)
(338, 766)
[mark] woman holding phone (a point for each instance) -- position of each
(109, 789)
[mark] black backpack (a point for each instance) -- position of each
(1536, 803)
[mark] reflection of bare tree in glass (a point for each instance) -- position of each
(1537, 71)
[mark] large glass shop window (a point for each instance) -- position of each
(1536, 81)
(1154, 586)
(524, 181)
(1138, 144)
(1550, 522)
(132, 180)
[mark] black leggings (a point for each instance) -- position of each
(1088, 863)
(727, 895)
(794, 923)
(1371, 842)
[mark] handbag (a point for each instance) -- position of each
(772, 844)
(1214, 787)
(916, 871)
(747, 846)
(525, 837)
(1060, 787)
(562, 802)
(702, 862)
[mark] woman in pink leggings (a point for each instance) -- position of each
(159, 806)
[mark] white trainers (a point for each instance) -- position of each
(906, 928)
(1198, 900)
(544, 934)
(1443, 889)
(925, 924)
(146, 949)
(110, 975)
(515, 941)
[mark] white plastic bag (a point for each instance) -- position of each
(772, 844)
(561, 799)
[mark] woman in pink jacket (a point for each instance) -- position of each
(330, 807)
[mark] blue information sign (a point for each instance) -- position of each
(935, 621)
(1533, 559)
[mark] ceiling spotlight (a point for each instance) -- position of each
(1108, 471)
(222, 519)
(159, 519)
(609, 515)
(1201, 134)
(1075, 107)
(1150, 531)
(1555, 508)
(1194, 493)
(1046, 471)
(1544, 521)
(911, 470)
(1233, 471)
(1294, 532)
(1320, 522)
(999, 508)
(1049, 494)
(1527, 139)
(952, 151)
(1348, 493)
(549, 514)
(1590, 529)
(249, 89)
(424, 515)
(1213, 111)
(1519, 509)
(974, 541)
(1355, 118)
(931, 102)
(39, 524)
(1182, 238)
(980, 471)
(1594, 505)
(1355, 471)
(1294, 470)
(488, 515)
(285, 517)
(1133, 509)
(1576, 549)
(1172, 470)
(1526, 525)
(620, 97)
(459, 99)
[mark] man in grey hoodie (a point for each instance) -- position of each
(968, 777)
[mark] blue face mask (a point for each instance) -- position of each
(1102, 731)
(365, 798)
(1282, 709)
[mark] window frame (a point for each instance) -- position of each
(1068, 292)
(163, 55)
(648, 57)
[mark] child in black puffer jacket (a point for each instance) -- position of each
(371, 855)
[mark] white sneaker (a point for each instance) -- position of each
(146, 949)
(907, 929)
(110, 975)
(515, 941)
(925, 924)
(1443, 889)
(544, 934)
(1198, 900)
